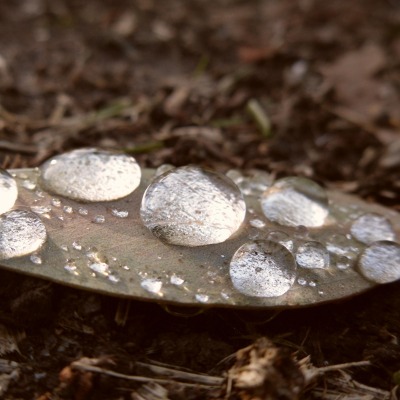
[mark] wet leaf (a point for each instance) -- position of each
(105, 247)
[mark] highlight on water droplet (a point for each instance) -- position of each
(21, 233)
(91, 175)
(371, 228)
(262, 269)
(380, 262)
(295, 201)
(191, 206)
(8, 191)
(312, 255)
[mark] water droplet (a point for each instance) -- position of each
(252, 182)
(263, 269)
(29, 185)
(76, 246)
(342, 245)
(41, 209)
(192, 207)
(257, 223)
(225, 295)
(21, 233)
(114, 278)
(83, 211)
(343, 262)
(99, 219)
(8, 191)
(371, 228)
(152, 285)
(70, 267)
(202, 298)
(100, 268)
(91, 175)
(295, 201)
(36, 259)
(68, 209)
(380, 262)
(302, 281)
(64, 247)
(176, 280)
(119, 213)
(312, 283)
(56, 202)
(282, 238)
(312, 255)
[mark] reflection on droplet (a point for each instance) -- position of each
(262, 269)
(36, 259)
(282, 238)
(91, 175)
(312, 255)
(21, 233)
(99, 219)
(192, 207)
(380, 262)
(202, 298)
(151, 285)
(257, 223)
(83, 211)
(8, 191)
(295, 201)
(176, 280)
(371, 228)
(120, 213)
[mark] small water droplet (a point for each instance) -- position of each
(120, 213)
(341, 245)
(64, 247)
(225, 295)
(114, 278)
(68, 209)
(343, 262)
(302, 281)
(29, 185)
(371, 228)
(152, 285)
(263, 269)
(321, 292)
(202, 298)
(76, 246)
(312, 255)
(83, 211)
(36, 259)
(100, 268)
(295, 201)
(126, 268)
(99, 219)
(39, 194)
(257, 223)
(21, 233)
(282, 238)
(312, 283)
(380, 262)
(91, 175)
(40, 209)
(56, 202)
(252, 182)
(192, 207)
(70, 267)
(176, 280)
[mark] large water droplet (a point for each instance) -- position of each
(91, 175)
(380, 262)
(371, 228)
(312, 255)
(262, 269)
(295, 201)
(21, 233)
(8, 191)
(192, 207)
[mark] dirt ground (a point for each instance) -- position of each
(302, 87)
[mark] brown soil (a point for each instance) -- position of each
(170, 82)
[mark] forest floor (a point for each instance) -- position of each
(177, 82)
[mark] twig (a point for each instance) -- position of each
(337, 367)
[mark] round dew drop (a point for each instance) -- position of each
(380, 262)
(312, 255)
(371, 228)
(91, 175)
(190, 206)
(21, 233)
(8, 191)
(262, 269)
(295, 201)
